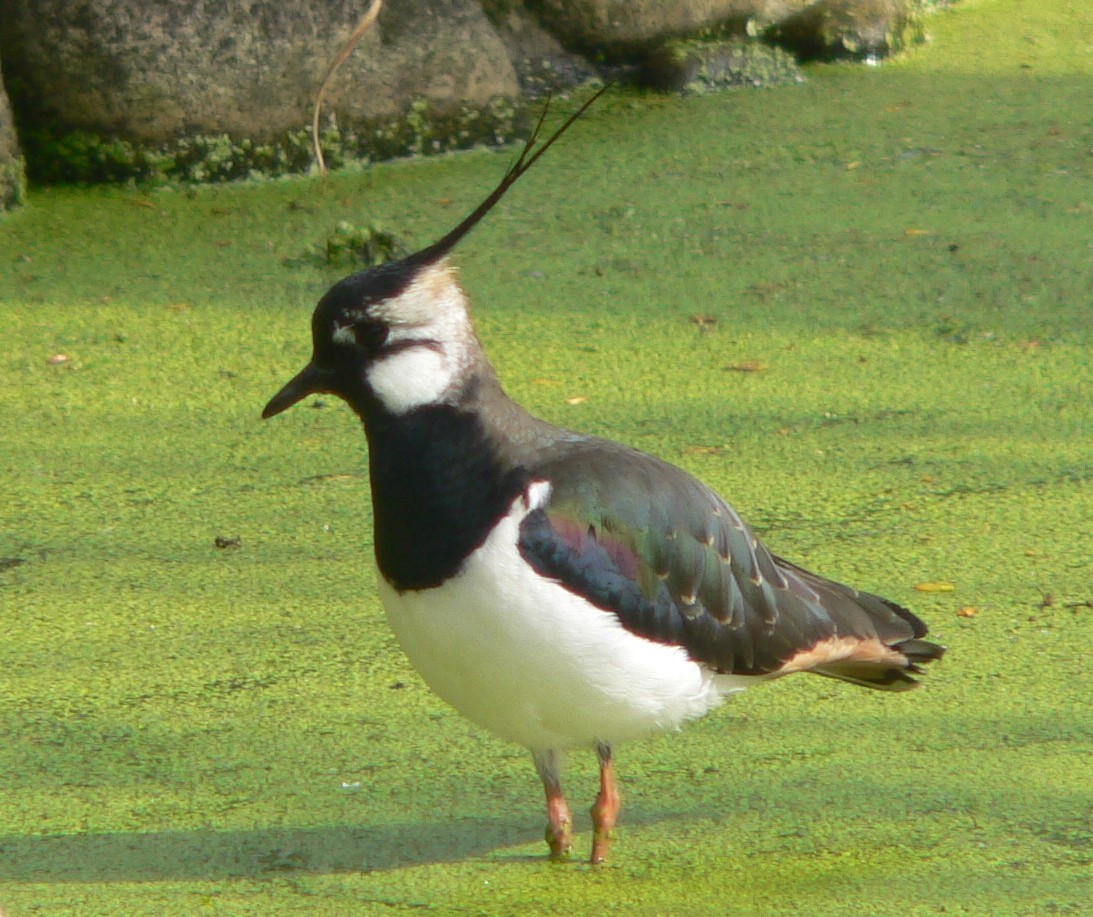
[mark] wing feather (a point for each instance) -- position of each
(677, 565)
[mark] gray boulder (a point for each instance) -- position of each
(150, 70)
(153, 72)
(11, 163)
(543, 64)
(618, 28)
(850, 28)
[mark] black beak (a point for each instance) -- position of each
(309, 381)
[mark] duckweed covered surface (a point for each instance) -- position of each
(859, 308)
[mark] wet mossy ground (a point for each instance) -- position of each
(859, 308)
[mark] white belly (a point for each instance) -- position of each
(536, 664)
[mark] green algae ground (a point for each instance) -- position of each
(859, 308)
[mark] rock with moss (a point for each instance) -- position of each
(694, 67)
(110, 86)
(82, 156)
(543, 64)
(12, 180)
(616, 29)
(860, 29)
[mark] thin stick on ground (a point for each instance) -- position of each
(367, 21)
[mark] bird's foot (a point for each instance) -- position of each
(605, 810)
(560, 841)
(601, 845)
(559, 830)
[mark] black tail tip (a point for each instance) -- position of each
(920, 652)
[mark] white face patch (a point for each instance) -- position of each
(413, 377)
(433, 312)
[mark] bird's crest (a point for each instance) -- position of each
(531, 152)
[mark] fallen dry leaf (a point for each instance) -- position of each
(576, 399)
(968, 611)
(704, 321)
(57, 359)
(747, 366)
(935, 587)
(915, 232)
(702, 450)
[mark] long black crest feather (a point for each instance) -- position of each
(531, 152)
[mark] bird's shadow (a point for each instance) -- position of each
(206, 854)
(210, 854)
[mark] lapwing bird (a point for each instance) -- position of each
(559, 590)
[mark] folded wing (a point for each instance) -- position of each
(677, 565)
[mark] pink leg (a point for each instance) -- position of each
(559, 831)
(605, 811)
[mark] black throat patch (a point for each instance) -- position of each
(439, 487)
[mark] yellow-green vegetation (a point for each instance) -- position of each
(860, 308)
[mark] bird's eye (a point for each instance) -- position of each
(370, 335)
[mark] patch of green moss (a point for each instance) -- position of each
(351, 246)
(834, 31)
(84, 157)
(423, 130)
(692, 66)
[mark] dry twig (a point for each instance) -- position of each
(367, 21)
